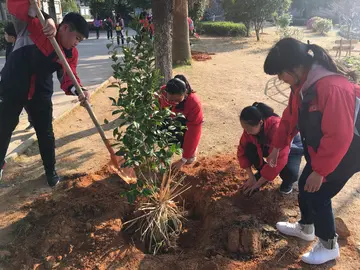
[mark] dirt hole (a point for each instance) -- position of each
(80, 225)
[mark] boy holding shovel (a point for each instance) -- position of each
(27, 77)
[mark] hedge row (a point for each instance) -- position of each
(221, 28)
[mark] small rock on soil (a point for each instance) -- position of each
(341, 228)
(4, 254)
(251, 241)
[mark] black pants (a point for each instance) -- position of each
(97, 32)
(316, 207)
(40, 109)
(289, 174)
(109, 33)
(28, 115)
(118, 36)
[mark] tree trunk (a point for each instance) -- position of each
(181, 53)
(163, 21)
(248, 28)
(257, 30)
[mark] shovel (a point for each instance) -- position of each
(127, 174)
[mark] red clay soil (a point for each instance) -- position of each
(79, 226)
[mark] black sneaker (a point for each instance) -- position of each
(285, 189)
(52, 178)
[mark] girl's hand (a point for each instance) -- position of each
(250, 182)
(249, 191)
(50, 28)
(273, 157)
(314, 182)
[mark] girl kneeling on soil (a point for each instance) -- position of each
(178, 95)
(260, 124)
(324, 106)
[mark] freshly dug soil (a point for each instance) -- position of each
(79, 226)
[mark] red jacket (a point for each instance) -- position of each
(271, 125)
(194, 116)
(336, 101)
(44, 60)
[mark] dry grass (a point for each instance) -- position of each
(161, 217)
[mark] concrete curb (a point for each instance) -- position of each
(28, 142)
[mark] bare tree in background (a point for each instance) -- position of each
(349, 12)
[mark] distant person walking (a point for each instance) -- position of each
(120, 25)
(109, 25)
(97, 24)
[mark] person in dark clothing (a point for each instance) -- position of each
(120, 25)
(27, 76)
(97, 24)
(109, 25)
(260, 124)
(325, 107)
(10, 37)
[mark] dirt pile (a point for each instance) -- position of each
(80, 225)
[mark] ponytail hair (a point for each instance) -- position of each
(188, 87)
(252, 115)
(289, 53)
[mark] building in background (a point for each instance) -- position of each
(52, 7)
(84, 10)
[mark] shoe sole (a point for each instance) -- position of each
(319, 263)
(308, 239)
(285, 192)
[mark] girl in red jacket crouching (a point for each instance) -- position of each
(178, 95)
(260, 124)
(324, 106)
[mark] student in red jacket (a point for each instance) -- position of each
(260, 124)
(178, 95)
(26, 78)
(324, 106)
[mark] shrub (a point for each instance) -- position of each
(292, 32)
(221, 28)
(284, 20)
(322, 26)
(311, 21)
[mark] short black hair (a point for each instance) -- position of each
(10, 29)
(77, 23)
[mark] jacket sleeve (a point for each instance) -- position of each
(337, 127)
(64, 79)
(270, 173)
(283, 136)
(243, 160)
(193, 133)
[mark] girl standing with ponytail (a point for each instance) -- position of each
(260, 124)
(324, 106)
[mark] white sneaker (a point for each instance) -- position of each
(319, 254)
(296, 229)
(190, 160)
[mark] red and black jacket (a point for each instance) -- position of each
(192, 110)
(30, 66)
(326, 108)
(270, 127)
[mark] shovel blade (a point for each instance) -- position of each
(126, 174)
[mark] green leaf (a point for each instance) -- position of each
(106, 121)
(146, 192)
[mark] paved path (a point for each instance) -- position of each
(94, 67)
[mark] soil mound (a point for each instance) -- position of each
(79, 226)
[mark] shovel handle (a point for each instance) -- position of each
(69, 71)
